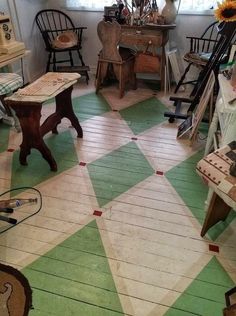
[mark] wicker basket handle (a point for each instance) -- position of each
(148, 45)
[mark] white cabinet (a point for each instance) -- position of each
(224, 115)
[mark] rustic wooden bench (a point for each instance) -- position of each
(27, 104)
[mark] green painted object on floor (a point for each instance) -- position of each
(193, 192)
(4, 137)
(144, 115)
(205, 295)
(89, 105)
(117, 172)
(38, 169)
(74, 278)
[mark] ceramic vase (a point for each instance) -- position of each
(169, 12)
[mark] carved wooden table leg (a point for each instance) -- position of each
(217, 211)
(63, 109)
(165, 38)
(29, 115)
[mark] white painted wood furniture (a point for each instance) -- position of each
(218, 203)
(225, 115)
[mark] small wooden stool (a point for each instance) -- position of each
(27, 103)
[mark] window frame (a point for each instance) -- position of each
(209, 12)
(200, 12)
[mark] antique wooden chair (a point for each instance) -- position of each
(112, 58)
(227, 33)
(52, 23)
(199, 52)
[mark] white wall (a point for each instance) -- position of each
(26, 11)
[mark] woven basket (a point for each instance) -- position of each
(147, 62)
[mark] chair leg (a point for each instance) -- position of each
(5, 106)
(10, 112)
(121, 82)
(48, 62)
(181, 81)
(98, 77)
(54, 62)
(87, 76)
(83, 64)
(81, 58)
(71, 59)
(217, 211)
(134, 81)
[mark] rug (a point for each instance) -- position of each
(15, 292)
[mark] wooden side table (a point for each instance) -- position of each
(28, 110)
(140, 36)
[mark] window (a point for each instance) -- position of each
(91, 5)
(185, 5)
(197, 5)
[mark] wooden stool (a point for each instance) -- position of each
(28, 110)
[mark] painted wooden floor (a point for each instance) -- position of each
(119, 230)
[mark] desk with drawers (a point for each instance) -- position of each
(140, 36)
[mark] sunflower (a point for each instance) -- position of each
(226, 11)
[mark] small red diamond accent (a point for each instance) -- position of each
(160, 173)
(214, 248)
(97, 213)
(10, 150)
(82, 163)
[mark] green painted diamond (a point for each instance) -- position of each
(205, 295)
(38, 169)
(144, 115)
(74, 278)
(118, 171)
(89, 105)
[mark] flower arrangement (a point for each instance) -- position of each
(226, 11)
